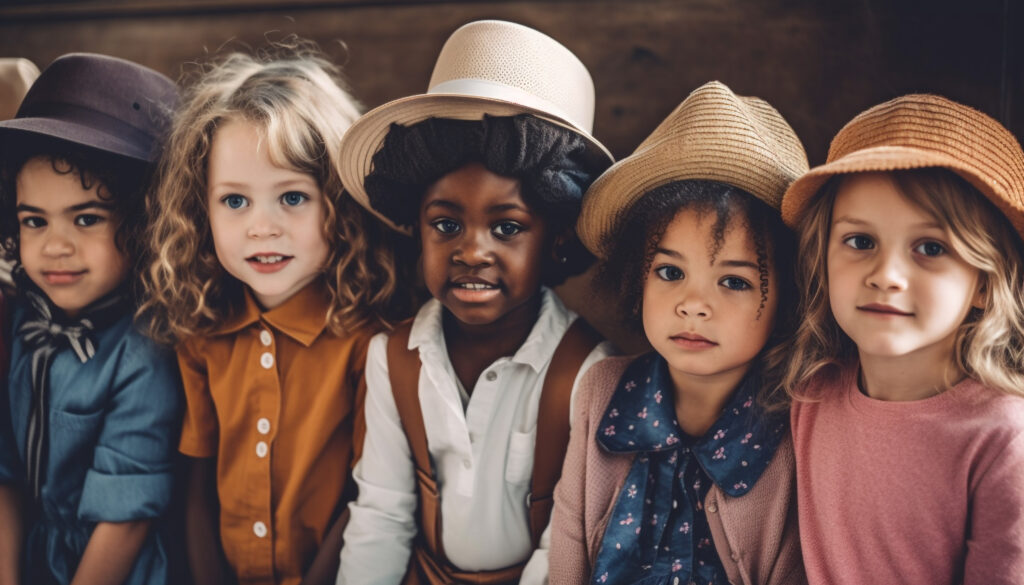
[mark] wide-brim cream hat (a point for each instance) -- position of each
(713, 135)
(487, 67)
(918, 131)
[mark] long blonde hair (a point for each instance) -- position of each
(296, 98)
(989, 344)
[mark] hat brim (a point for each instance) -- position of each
(365, 137)
(74, 133)
(885, 159)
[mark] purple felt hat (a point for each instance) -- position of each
(100, 102)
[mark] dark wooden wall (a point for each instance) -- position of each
(818, 61)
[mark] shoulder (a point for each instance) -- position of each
(599, 383)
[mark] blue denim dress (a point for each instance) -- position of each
(113, 427)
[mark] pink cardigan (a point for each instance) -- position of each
(756, 535)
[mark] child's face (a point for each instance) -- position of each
(267, 221)
(704, 315)
(895, 285)
(483, 247)
(67, 236)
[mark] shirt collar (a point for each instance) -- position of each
(303, 317)
(427, 332)
(734, 452)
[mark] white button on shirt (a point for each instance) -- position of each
(265, 337)
(483, 481)
(261, 449)
(267, 360)
(263, 426)
(259, 529)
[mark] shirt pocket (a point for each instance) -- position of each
(519, 464)
(73, 435)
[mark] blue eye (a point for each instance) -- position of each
(235, 201)
(445, 225)
(735, 283)
(669, 272)
(88, 219)
(33, 221)
(859, 242)
(930, 249)
(293, 198)
(507, 229)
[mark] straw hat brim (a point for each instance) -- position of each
(365, 137)
(885, 159)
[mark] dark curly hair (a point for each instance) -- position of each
(121, 180)
(634, 242)
(549, 161)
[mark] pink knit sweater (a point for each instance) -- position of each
(755, 535)
(929, 492)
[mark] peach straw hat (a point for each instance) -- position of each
(917, 131)
(487, 67)
(713, 135)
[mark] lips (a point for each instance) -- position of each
(63, 277)
(883, 309)
(471, 289)
(267, 262)
(691, 340)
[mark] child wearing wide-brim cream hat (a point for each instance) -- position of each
(709, 179)
(494, 156)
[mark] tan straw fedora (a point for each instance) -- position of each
(487, 67)
(917, 131)
(713, 135)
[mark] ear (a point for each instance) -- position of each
(980, 298)
(558, 251)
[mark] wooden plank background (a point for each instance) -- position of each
(818, 61)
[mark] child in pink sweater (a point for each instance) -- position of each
(909, 424)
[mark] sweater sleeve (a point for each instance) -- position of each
(568, 561)
(995, 543)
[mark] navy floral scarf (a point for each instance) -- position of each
(658, 532)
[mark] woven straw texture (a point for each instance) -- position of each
(713, 135)
(501, 69)
(918, 131)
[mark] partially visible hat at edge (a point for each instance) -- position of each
(918, 131)
(16, 76)
(712, 135)
(487, 67)
(97, 101)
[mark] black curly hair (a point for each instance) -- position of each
(550, 162)
(122, 181)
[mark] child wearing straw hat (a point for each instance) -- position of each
(92, 408)
(907, 369)
(467, 406)
(680, 468)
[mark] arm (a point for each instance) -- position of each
(995, 541)
(111, 552)
(378, 539)
(202, 530)
(10, 534)
(536, 570)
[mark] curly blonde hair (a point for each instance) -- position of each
(296, 98)
(989, 344)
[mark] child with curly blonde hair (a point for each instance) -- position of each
(909, 420)
(269, 279)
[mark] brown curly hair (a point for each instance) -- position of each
(296, 98)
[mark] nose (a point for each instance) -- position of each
(263, 223)
(58, 244)
(888, 272)
(474, 249)
(693, 305)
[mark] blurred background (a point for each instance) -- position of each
(819, 62)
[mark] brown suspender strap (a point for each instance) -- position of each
(404, 372)
(552, 438)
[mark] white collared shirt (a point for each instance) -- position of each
(482, 455)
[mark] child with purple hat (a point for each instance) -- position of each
(91, 407)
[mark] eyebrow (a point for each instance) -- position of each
(78, 207)
(726, 263)
(443, 204)
(855, 221)
(506, 207)
(277, 185)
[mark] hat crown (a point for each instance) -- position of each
(967, 135)
(515, 63)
